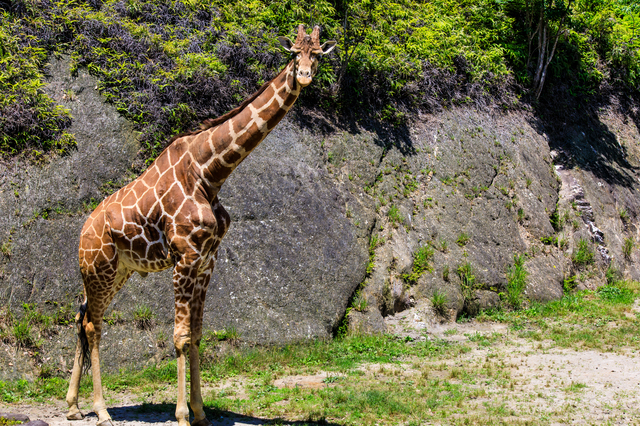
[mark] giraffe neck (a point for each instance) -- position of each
(220, 150)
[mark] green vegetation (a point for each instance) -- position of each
(516, 281)
(463, 239)
(143, 317)
(583, 254)
(576, 320)
(556, 220)
(394, 216)
(444, 245)
(627, 247)
(421, 264)
(26, 329)
(624, 214)
(374, 242)
(468, 284)
(569, 283)
(445, 273)
(360, 303)
(167, 65)
(5, 248)
(439, 301)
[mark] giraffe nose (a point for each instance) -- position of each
(304, 77)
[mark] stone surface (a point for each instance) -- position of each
(23, 418)
(305, 206)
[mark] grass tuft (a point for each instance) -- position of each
(421, 264)
(516, 281)
(583, 254)
(143, 317)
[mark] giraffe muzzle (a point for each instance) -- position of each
(304, 77)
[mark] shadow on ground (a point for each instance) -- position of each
(154, 413)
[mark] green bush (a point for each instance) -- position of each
(166, 65)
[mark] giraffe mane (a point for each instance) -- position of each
(212, 122)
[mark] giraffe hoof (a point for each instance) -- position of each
(105, 423)
(75, 416)
(201, 422)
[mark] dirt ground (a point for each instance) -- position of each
(559, 386)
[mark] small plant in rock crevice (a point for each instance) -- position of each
(360, 302)
(584, 254)
(516, 281)
(624, 214)
(374, 242)
(5, 248)
(463, 239)
(556, 220)
(627, 247)
(613, 275)
(445, 273)
(394, 216)
(421, 264)
(439, 301)
(143, 317)
(569, 283)
(468, 284)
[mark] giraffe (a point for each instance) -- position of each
(171, 216)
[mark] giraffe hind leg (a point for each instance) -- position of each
(80, 363)
(100, 290)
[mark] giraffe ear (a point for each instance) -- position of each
(286, 43)
(328, 46)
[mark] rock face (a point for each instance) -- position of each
(322, 209)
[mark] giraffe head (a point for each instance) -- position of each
(307, 51)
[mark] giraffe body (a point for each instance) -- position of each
(170, 216)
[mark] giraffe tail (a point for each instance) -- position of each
(82, 337)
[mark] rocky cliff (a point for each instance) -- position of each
(329, 214)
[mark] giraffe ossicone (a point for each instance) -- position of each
(171, 216)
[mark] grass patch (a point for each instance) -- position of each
(627, 247)
(143, 317)
(439, 301)
(516, 281)
(583, 255)
(578, 319)
(421, 264)
(394, 216)
(462, 239)
(468, 280)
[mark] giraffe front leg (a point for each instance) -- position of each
(197, 310)
(182, 410)
(94, 331)
(184, 282)
(182, 340)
